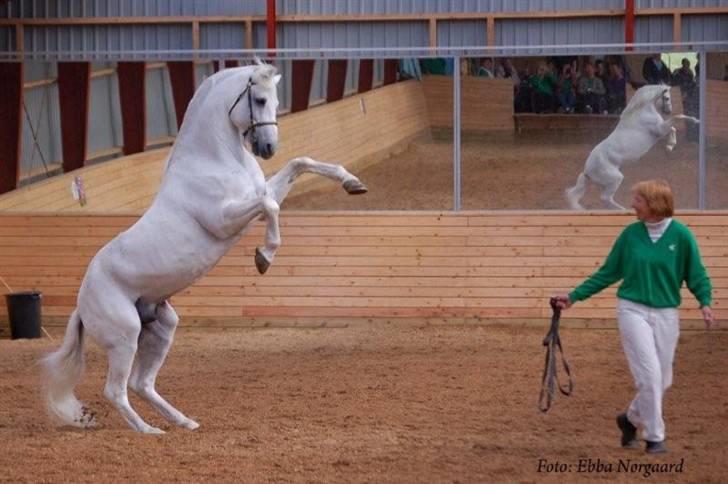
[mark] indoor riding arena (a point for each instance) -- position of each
(398, 335)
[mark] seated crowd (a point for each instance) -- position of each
(572, 84)
(558, 86)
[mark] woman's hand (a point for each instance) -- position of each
(708, 316)
(562, 300)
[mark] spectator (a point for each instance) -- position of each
(486, 68)
(567, 89)
(683, 77)
(543, 85)
(725, 73)
(510, 72)
(616, 85)
(499, 71)
(590, 92)
(601, 71)
(655, 71)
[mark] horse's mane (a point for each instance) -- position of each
(262, 74)
(642, 97)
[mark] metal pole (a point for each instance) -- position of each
(703, 62)
(456, 133)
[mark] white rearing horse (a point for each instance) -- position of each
(640, 126)
(211, 191)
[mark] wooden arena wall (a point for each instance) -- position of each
(471, 265)
(716, 107)
(486, 104)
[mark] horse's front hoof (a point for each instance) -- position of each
(261, 263)
(355, 187)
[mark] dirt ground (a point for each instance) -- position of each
(371, 402)
(526, 171)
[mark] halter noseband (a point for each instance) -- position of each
(253, 124)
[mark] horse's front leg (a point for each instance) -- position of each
(667, 128)
(280, 184)
(238, 215)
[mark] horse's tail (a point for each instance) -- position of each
(575, 193)
(61, 371)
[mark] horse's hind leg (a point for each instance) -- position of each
(575, 193)
(609, 189)
(119, 337)
(280, 184)
(154, 343)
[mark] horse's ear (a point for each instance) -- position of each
(276, 78)
(257, 61)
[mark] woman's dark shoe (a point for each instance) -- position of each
(629, 432)
(656, 447)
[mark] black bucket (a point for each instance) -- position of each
(24, 314)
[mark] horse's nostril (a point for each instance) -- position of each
(269, 148)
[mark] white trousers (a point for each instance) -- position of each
(649, 337)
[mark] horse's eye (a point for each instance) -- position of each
(260, 101)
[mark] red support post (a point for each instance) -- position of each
(301, 78)
(629, 22)
(336, 81)
(270, 23)
(182, 78)
(132, 94)
(11, 124)
(366, 75)
(391, 67)
(74, 81)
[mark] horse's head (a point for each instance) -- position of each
(664, 100)
(645, 98)
(253, 112)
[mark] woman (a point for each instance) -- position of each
(652, 257)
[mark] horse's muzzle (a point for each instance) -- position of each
(264, 150)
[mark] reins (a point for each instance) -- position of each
(550, 379)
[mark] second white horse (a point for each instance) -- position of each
(640, 126)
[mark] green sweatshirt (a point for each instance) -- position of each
(652, 272)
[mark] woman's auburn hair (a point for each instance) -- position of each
(658, 195)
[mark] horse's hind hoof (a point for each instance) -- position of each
(355, 187)
(261, 263)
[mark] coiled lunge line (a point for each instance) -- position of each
(550, 380)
